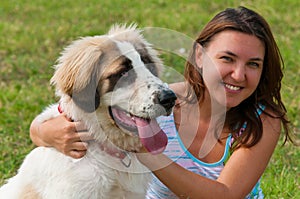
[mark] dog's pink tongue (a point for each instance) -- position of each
(151, 135)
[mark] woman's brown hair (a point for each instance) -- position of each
(268, 90)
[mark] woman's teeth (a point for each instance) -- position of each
(231, 87)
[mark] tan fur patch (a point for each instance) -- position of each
(30, 193)
(84, 52)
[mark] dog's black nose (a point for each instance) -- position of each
(166, 98)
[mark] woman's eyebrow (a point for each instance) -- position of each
(257, 59)
(229, 53)
(234, 55)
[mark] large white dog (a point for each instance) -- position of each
(110, 83)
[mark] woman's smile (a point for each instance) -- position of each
(232, 88)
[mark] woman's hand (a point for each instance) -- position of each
(70, 138)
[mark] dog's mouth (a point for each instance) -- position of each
(151, 135)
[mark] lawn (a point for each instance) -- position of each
(34, 32)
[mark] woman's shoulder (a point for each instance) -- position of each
(270, 120)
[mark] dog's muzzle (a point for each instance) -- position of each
(165, 98)
(151, 135)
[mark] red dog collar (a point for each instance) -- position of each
(59, 109)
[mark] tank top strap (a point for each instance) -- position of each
(259, 111)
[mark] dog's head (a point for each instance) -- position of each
(114, 76)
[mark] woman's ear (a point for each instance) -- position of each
(198, 55)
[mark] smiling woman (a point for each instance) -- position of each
(231, 66)
(236, 60)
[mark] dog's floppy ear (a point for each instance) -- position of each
(88, 98)
(77, 71)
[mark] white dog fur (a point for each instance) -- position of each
(94, 77)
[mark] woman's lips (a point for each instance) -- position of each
(232, 88)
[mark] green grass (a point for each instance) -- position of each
(34, 32)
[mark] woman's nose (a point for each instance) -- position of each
(239, 73)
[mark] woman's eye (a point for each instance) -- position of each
(253, 64)
(226, 58)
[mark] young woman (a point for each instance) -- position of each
(235, 63)
(227, 120)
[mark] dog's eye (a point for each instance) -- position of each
(119, 74)
(124, 74)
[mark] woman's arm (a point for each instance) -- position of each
(182, 182)
(241, 173)
(70, 138)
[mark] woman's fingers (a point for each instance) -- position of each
(75, 149)
(79, 127)
(76, 154)
(73, 138)
(79, 146)
(83, 136)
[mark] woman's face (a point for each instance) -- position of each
(232, 65)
